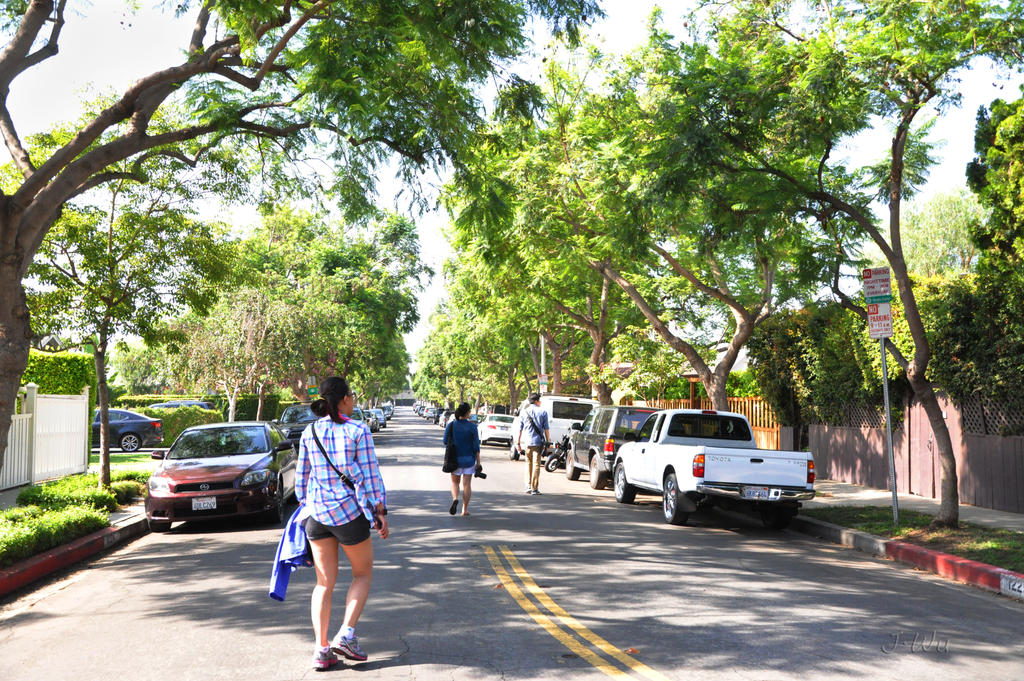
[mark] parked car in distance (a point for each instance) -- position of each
(294, 420)
(388, 409)
(176, 404)
(128, 430)
(359, 415)
(496, 428)
(371, 420)
(221, 470)
(563, 411)
(593, 443)
(428, 413)
(382, 420)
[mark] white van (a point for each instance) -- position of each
(563, 411)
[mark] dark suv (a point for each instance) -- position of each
(294, 420)
(594, 442)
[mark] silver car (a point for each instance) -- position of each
(382, 419)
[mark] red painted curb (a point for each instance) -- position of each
(31, 569)
(959, 569)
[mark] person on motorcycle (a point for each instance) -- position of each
(534, 419)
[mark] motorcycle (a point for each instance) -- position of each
(557, 455)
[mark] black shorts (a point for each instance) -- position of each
(353, 532)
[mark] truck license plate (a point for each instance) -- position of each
(204, 503)
(762, 493)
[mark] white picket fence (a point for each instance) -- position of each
(49, 438)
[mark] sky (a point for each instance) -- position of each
(87, 65)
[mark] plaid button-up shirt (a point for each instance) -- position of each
(350, 447)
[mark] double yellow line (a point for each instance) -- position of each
(568, 621)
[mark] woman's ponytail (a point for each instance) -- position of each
(332, 391)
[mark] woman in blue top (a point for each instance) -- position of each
(341, 511)
(467, 443)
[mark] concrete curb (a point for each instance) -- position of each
(43, 564)
(982, 575)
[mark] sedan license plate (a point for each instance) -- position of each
(762, 493)
(204, 503)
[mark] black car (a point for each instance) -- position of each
(129, 430)
(594, 443)
(294, 420)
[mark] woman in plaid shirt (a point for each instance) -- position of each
(341, 511)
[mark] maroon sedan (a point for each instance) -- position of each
(220, 470)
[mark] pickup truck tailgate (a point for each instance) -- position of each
(755, 466)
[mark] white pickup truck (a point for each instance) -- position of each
(697, 458)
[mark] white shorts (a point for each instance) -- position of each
(464, 471)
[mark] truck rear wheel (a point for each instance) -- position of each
(671, 502)
(625, 493)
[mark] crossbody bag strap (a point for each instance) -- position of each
(536, 428)
(344, 478)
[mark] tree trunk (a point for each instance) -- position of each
(714, 384)
(232, 402)
(15, 340)
(513, 390)
(259, 402)
(556, 367)
(949, 500)
(103, 400)
(600, 389)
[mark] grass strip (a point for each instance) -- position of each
(123, 459)
(995, 546)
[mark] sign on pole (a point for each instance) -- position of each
(543, 381)
(879, 320)
(878, 296)
(877, 285)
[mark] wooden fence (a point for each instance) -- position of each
(990, 468)
(762, 419)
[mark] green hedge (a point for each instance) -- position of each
(138, 401)
(176, 420)
(61, 373)
(139, 475)
(29, 530)
(74, 490)
(245, 406)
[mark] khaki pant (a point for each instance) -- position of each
(533, 465)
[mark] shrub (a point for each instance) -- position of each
(29, 530)
(135, 402)
(245, 406)
(61, 373)
(813, 363)
(74, 490)
(139, 475)
(176, 420)
(126, 490)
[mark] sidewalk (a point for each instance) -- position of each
(982, 575)
(832, 493)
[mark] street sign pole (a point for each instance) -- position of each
(888, 436)
(878, 296)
